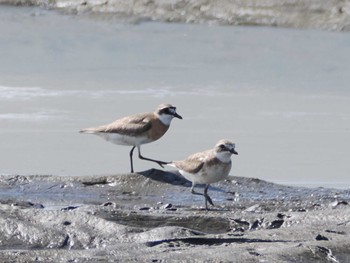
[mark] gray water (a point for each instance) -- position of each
(282, 95)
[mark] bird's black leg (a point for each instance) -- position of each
(207, 197)
(161, 163)
(131, 162)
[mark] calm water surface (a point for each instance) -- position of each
(282, 95)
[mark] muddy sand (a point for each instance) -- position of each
(152, 217)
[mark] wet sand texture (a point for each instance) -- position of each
(152, 217)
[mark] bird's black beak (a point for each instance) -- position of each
(233, 151)
(177, 116)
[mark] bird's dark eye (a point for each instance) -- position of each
(169, 111)
(223, 147)
(165, 111)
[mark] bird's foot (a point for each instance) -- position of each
(161, 163)
(208, 199)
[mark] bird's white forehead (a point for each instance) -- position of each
(227, 143)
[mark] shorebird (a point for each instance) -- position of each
(207, 167)
(138, 129)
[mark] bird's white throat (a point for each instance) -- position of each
(165, 119)
(224, 157)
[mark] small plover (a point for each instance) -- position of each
(138, 129)
(207, 167)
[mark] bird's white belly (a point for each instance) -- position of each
(206, 175)
(124, 139)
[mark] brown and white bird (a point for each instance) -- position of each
(207, 167)
(138, 129)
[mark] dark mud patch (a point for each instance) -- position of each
(200, 241)
(206, 224)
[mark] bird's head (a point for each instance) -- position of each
(224, 149)
(166, 112)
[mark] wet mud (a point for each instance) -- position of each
(152, 217)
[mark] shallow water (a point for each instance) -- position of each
(281, 94)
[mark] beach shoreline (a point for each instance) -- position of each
(329, 15)
(152, 217)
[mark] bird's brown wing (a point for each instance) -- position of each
(193, 164)
(131, 125)
(189, 166)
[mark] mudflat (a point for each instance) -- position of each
(151, 216)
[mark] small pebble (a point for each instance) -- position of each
(281, 216)
(275, 224)
(167, 206)
(336, 203)
(252, 208)
(319, 237)
(301, 210)
(241, 222)
(40, 206)
(68, 208)
(257, 223)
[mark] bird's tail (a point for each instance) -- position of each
(87, 131)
